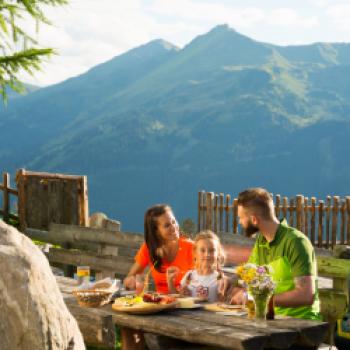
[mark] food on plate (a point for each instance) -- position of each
(186, 302)
(158, 298)
(128, 300)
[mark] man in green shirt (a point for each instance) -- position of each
(287, 250)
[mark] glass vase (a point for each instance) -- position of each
(261, 302)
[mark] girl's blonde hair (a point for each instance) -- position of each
(210, 235)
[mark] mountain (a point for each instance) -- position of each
(160, 123)
(28, 89)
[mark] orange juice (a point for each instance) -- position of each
(83, 274)
(250, 308)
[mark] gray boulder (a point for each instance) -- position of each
(33, 315)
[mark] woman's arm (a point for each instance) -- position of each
(129, 281)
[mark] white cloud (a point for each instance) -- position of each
(340, 15)
(89, 32)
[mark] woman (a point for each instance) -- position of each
(163, 247)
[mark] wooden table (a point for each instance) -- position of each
(197, 326)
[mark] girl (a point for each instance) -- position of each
(163, 247)
(205, 280)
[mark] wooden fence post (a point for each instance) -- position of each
(228, 199)
(221, 225)
(209, 210)
(342, 220)
(235, 215)
(328, 219)
(291, 212)
(199, 222)
(6, 196)
(320, 223)
(216, 213)
(300, 212)
(335, 212)
(306, 218)
(348, 223)
(277, 205)
(313, 220)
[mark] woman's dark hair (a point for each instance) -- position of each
(151, 229)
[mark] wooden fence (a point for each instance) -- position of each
(325, 222)
(6, 200)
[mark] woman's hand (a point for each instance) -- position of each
(171, 273)
(185, 291)
(130, 282)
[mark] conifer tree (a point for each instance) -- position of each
(18, 50)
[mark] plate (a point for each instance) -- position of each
(217, 307)
(232, 313)
(143, 308)
(194, 306)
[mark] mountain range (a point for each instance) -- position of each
(160, 123)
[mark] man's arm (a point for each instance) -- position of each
(303, 294)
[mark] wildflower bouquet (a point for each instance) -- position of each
(258, 281)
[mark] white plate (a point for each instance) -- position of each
(232, 313)
(194, 306)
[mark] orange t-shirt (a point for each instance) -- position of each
(183, 260)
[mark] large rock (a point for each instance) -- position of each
(33, 315)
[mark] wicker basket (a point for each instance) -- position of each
(92, 298)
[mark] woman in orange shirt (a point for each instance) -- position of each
(163, 247)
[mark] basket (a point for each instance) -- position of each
(92, 298)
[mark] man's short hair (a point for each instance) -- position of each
(258, 200)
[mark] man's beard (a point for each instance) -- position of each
(251, 229)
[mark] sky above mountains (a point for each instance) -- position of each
(89, 32)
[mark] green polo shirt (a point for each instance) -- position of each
(290, 255)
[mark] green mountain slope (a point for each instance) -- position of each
(157, 123)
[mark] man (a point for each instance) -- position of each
(287, 250)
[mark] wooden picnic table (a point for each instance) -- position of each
(196, 326)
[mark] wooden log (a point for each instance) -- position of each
(117, 264)
(335, 212)
(227, 210)
(299, 212)
(235, 215)
(320, 223)
(221, 210)
(73, 233)
(328, 220)
(46, 175)
(333, 267)
(278, 205)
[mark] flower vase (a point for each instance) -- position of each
(261, 302)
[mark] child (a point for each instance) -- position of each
(205, 281)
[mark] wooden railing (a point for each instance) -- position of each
(6, 192)
(108, 253)
(325, 222)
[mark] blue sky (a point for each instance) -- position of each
(89, 32)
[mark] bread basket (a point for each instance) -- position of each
(92, 297)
